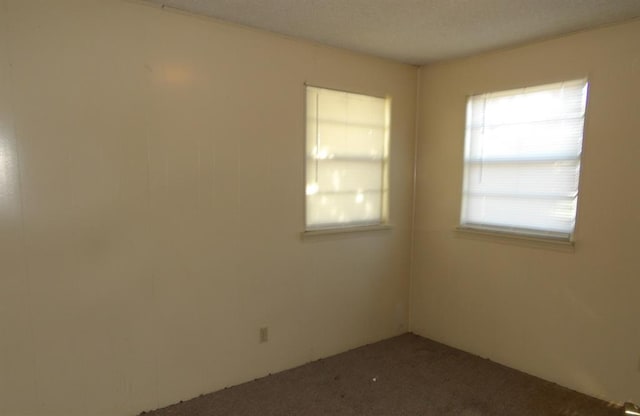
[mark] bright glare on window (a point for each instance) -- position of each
(346, 159)
(7, 176)
(522, 159)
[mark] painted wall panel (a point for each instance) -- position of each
(566, 315)
(152, 216)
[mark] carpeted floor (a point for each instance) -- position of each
(402, 376)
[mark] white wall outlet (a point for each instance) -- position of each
(264, 334)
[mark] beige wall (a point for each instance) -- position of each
(570, 316)
(151, 204)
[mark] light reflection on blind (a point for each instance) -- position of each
(346, 158)
(522, 158)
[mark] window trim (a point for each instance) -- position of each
(526, 235)
(522, 240)
(346, 230)
(518, 234)
(383, 223)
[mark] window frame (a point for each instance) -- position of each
(381, 223)
(514, 232)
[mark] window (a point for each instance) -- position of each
(522, 160)
(346, 159)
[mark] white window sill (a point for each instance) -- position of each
(345, 230)
(517, 236)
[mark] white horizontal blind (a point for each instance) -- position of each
(346, 159)
(522, 159)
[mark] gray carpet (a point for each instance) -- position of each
(402, 376)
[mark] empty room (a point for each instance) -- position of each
(284, 207)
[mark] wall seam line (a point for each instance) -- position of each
(413, 198)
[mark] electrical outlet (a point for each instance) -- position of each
(264, 334)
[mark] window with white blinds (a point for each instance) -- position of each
(346, 159)
(522, 159)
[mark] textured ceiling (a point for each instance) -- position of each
(416, 31)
